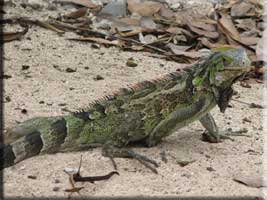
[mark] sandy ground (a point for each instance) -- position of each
(46, 88)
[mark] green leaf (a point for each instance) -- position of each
(212, 75)
(198, 81)
(220, 66)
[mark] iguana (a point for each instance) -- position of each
(143, 114)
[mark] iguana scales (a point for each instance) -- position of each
(143, 114)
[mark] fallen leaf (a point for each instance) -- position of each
(166, 12)
(10, 36)
(254, 105)
(86, 3)
(241, 9)
(74, 189)
(178, 51)
(148, 22)
(49, 26)
(227, 26)
(251, 181)
(179, 31)
(249, 40)
(77, 14)
(246, 24)
(146, 8)
(261, 51)
(209, 34)
(179, 47)
(99, 40)
(202, 25)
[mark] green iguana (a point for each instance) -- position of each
(143, 114)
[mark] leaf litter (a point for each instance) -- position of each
(157, 28)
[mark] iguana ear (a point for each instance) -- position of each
(222, 97)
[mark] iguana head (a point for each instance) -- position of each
(229, 66)
(219, 71)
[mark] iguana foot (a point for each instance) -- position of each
(224, 135)
(113, 152)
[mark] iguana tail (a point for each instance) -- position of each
(40, 135)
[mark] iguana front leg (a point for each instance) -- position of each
(112, 151)
(213, 134)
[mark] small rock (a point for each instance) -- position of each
(95, 46)
(98, 77)
(32, 177)
(210, 169)
(246, 120)
(62, 104)
(25, 67)
(7, 99)
(207, 156)
(5, 76)
(41, 102)
(131, 63)
(55, 189)
(56, 180)
(175, 6)
(34, 4)
(71, 70)
(187, 175)
(27, 46)
(24, 111)
(262, 26)
(185, 162)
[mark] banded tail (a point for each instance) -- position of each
(40, 135)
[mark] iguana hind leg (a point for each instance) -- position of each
(112, 151)
(213, 134)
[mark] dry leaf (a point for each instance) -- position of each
(179, 51)
(251, 181)
(166, 12)
(99, 40)
(249, 40)
(261, 50)
(202, 25)
(147, 39)
(76, 14)
(10, 36)
(49, 26)
(148, 22)
(246, 24)
(74, 189)
(241, 9)
(227, 26)
(130, 21)
(146, 8)
(209, 34)
(178, 47)
(216, 46)
(85, 3)
(130, 33)
(181, 18)
(179, 31)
